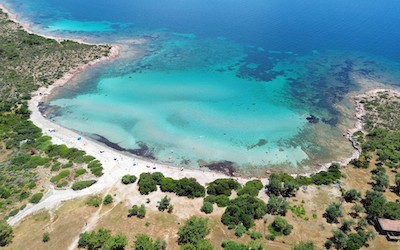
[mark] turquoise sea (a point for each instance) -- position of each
(227, 84)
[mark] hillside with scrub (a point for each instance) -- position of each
(27, 158)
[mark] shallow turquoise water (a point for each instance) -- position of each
(223, 81)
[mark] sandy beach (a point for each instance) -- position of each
(116, 163)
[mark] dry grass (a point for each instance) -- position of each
(63, 225)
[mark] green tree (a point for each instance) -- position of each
(144, 242)
(147, 184)
(108, 199)
(240, 230)
(102, 239)
(194, 230)
(207, 207)
(347, 224)
(128, 179)
(36, 198)
(140, 212)
(352, 195)
(163, 204)
(281, 226)
(46, 237)
(6, 233)
(277, 205)
(357, 209)
(333, 212)
(339, 238)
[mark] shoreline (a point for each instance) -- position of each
(115, 169)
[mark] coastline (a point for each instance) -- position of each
(115, 169)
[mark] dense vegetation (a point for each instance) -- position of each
(27, 62)
(102, 239)
(188, 187)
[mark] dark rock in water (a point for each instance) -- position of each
(143, 149)
(226, 167)
(312, 119)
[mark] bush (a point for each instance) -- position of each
(60, 176)
(144, 242)
(252, 188)
(333, 212)
(6, 233)
(108, 199)
(80, 172)
(190, 188)
(96, 168)
(194, 230)
(102, 239)
(140, 212)
(147, 184)
(280, 227)
(128, 179)
(277, 205)
(222, 200)
(79, 185)
(207, 207)
(255, 235)
(240, 230)
(46, 237)
(168, 185)
(36, 198)
(222, 186)
(93, 201)
(352, 195)
(163, 203)
(243, 210)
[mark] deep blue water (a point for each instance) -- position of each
(224, 80)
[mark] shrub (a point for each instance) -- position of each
(243, 210)
(280, 227)
(352, 195)
(140, 212)
(277, 205)
(255, 235)
(36, 198)
(163, 203)
(46, 237)
(128, 179)
(207, 207)
(102, 239)
(147, 184)
(168, 185)
(194, 230)
(80, 172)
(190, 188)
(60, 176)
(333, 212)
(240, 230)
(222, 200)
(252, 188)
(108, 199)
(93, 201)
(6, 233)
(96, 168)
(144, 242)
(79, 185)
(222, 186)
